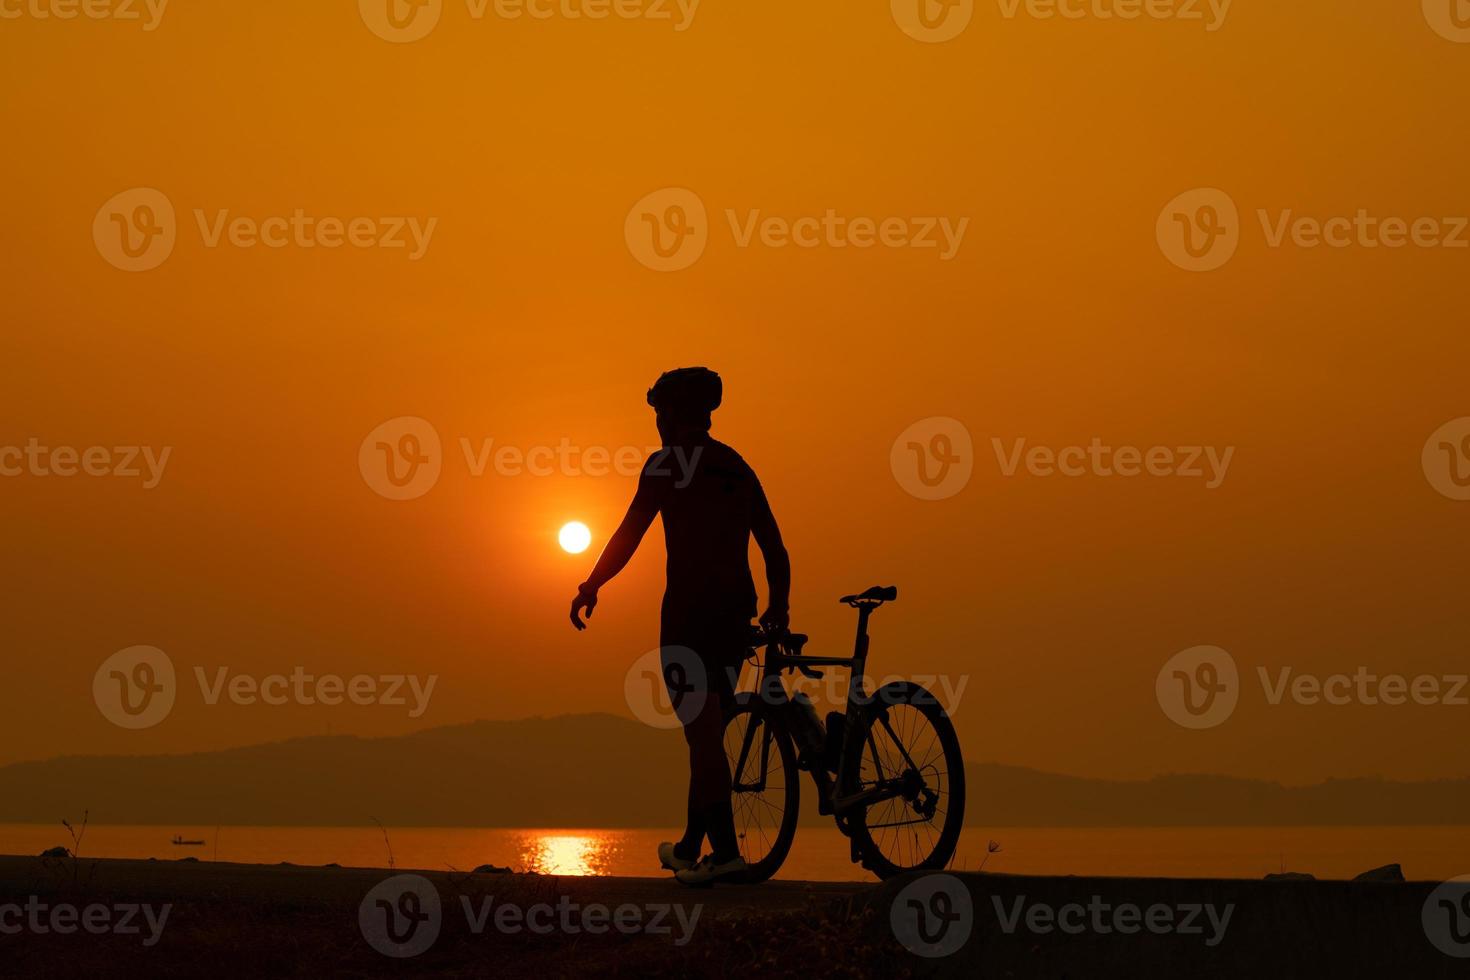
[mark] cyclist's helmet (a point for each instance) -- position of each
(687, 394)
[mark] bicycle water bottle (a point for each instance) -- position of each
(811, 737)
(832, 752)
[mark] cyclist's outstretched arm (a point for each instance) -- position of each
(620, 548)
(778, 563)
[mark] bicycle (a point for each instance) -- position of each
(862, 762)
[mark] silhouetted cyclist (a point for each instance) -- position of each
(711, 504)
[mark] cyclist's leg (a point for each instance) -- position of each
(709, 808)
(708, 742)
(689, 693)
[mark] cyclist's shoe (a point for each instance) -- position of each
(673, 862)
(707, 872)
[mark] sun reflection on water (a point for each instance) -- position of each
(560, 852)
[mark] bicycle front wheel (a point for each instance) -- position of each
(904, 749)
(765, 787)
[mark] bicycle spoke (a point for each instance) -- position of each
(902, 741)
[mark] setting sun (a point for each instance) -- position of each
(574, 537)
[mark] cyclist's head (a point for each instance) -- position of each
(683, 400)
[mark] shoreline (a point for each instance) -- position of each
(230, 919)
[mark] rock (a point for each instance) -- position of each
(490, 869)
(1389, 872)
(188, 859)
(334, 864)
(1291, 876)
(55, 852)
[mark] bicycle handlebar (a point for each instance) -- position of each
(783, 638)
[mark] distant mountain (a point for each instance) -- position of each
(604, 771)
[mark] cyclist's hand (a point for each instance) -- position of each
(584, 601)
(778, 619)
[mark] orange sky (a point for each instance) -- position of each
(529, 320)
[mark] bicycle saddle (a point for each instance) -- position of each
(876, 594)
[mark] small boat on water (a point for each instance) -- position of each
(179, 841)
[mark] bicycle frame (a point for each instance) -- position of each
(772, 692)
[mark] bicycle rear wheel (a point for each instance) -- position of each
(903, 743)
(766, 791)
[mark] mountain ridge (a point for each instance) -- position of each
(600, 770)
